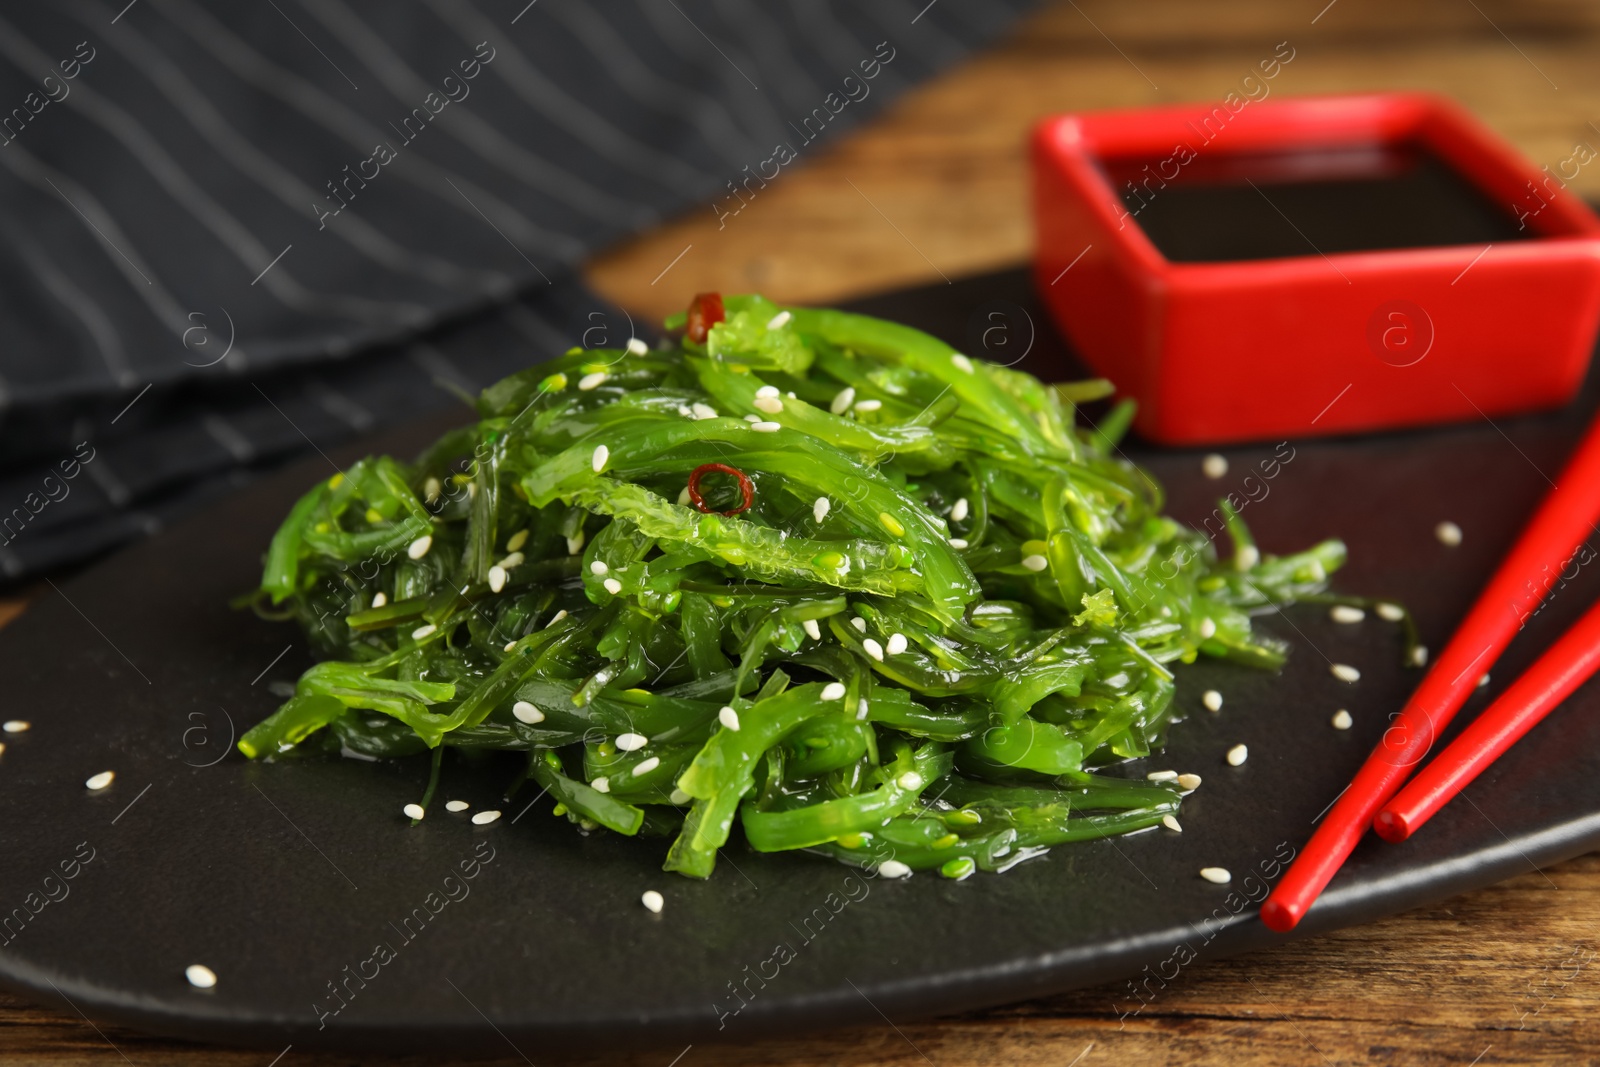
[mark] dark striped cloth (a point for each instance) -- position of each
(228, 231)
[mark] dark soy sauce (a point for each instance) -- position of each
(1218, 207)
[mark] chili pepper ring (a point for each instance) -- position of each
(747, 488)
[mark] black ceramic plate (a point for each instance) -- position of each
(304, 889)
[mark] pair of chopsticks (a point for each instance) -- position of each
(1564, 519)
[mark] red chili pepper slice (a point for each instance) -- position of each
(747, 488)
(705, 311)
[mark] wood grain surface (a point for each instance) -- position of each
(937, 188)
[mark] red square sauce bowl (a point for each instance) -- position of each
(1314, 265)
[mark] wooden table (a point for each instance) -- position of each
(1509, 974)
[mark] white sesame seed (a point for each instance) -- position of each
(910, 780)
(1392, 612)
(1419, 656)
(752, 418)
(873, 649)
(820, 509)
(842, 400)
(1342, 720)
(1346, 613)
(99, 781)
(413, 811)
(557, 617)
(200, 976)
(379, 599)
(1219, 875)
(767, 427)
(432, 490)
(1246, 557)
(612, 586)
(575, 543)
(862, 708)
(637, 347)
(869, 405)
(1237, 755)
(426, 630)
(1214, 465)
(456, 805)
(645, 766)
(1035, 562)
(686, 411)
(729, 718)
(652, 900)
(420, 546)
(859, 623)
(1162, 776)
(833, 691)
(598, 460)
(590, 381)
(778, 321)
(598, 567)
(1208, 628)
(526, 712)
(893, 869)
(510, 645)
(958, 510)
(1448, 533)
(961, 362)
(812, 629)
(601, 785)
(678, 796)
(770, 404)
(766, 391)
(513, 561)
(1483, 681)
(484, 818)
(1188, 782)
(1212, 700)
(631, 742)
(497, 578)
(1171, 824)
(1345, 673)
(897, 644)
(683, 497)
(703, 411)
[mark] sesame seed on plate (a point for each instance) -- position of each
(820, 509)
(1035, 562)
(833, 691)
(873, 649)
(1419, 656)
(200, 976)
(1219, 875)
(652, 900)
(426, 630)
(523, 711)
(612, 586)
(497, 578)
(859, 623)
(484, 818)
(1208, 628)
(97, 782)
(419, 548)
(961, 362)
(1214, 465)
(1162, 776)
(958, 543)
(645, 766)
(456, 805)
(893, 869)
(598, 567)
(812, 629)
(1392, 612)
(897, 644)
(778, 321)
(1342, 720)
(869, 405)
(601, 785)
(1346, 613)
(1344, 672)
(842, 400)
(413, 811)
(909, 780)
(637, 347)
(1237, 755)
(703, 411)
(598, 460)
(1212, 700)
(770, 404)
(1188, 782)
(631, 742)
(1171, 824)
(591, 380)
(1448, 533)
(767, 427)
(958, 510)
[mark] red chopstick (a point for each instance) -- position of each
(1563, 520)
(1567, 665)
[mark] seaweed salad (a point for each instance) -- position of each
(810, 572)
